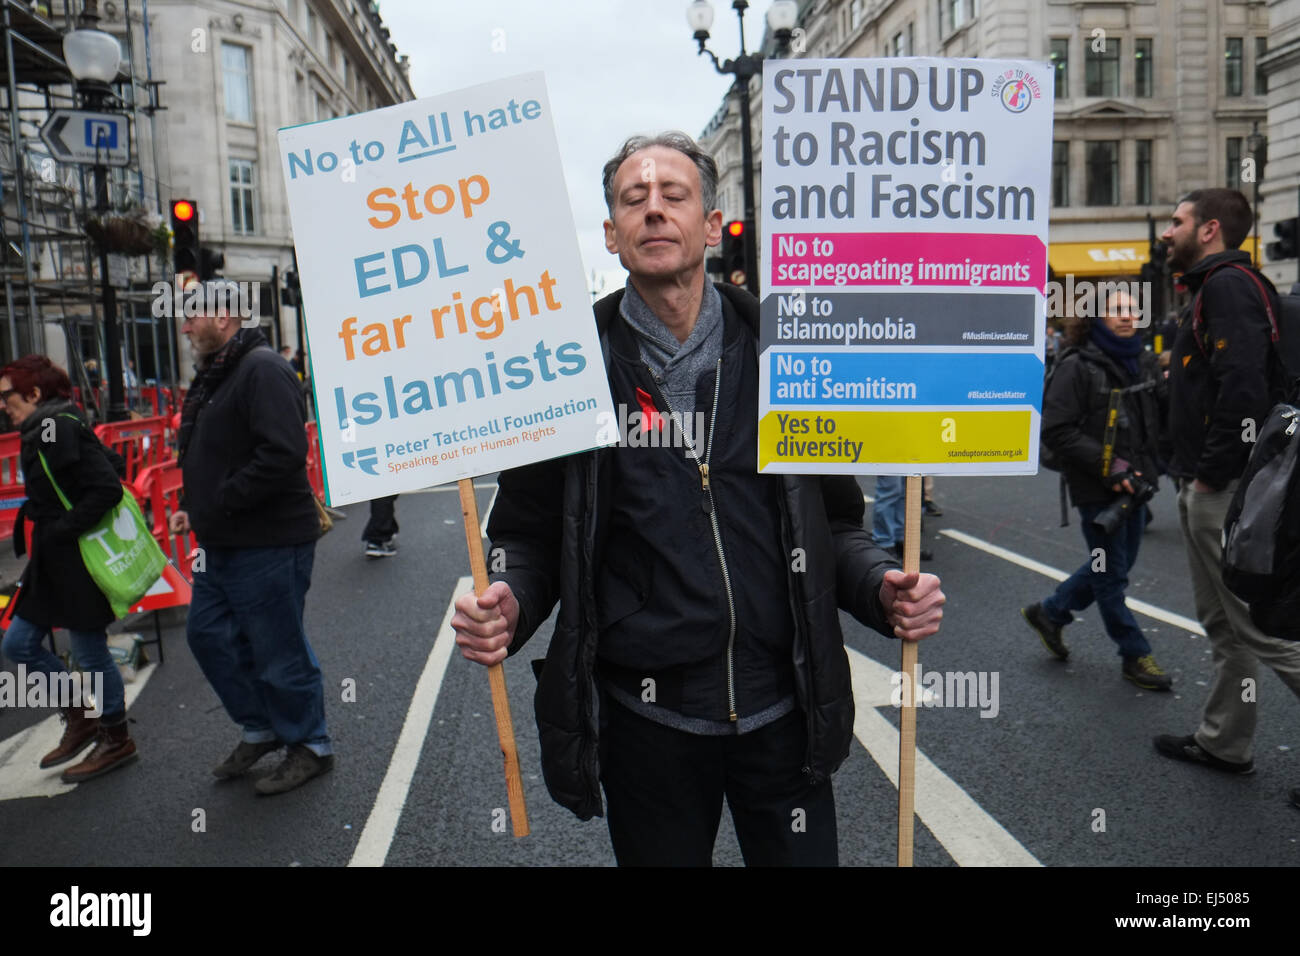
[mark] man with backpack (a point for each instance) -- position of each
(1225, 374)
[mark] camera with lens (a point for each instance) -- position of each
(1119, 510)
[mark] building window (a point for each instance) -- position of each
(898, 46)
(1143, 70)
(956, 13)
(238, 83)
(1101, 68)
(1232, 54)
(332, 51)
(1144, 172)
(1060, 57)
(855, 13)
(1103, 173)
(313, 27)
(1232, 163)
(243, 197)
(1261, 78)
(1060, 173)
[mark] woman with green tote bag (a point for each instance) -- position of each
(56, 589)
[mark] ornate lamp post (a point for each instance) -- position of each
(781, 18)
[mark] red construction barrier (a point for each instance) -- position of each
(160, 486)
(12, 490)
(142, 443)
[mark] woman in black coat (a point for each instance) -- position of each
(1106, 355)
(56, 590)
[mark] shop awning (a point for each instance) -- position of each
(1122, 257)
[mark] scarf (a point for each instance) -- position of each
(1123, 351)
(48, 408)
(678, 364)
(209, 373)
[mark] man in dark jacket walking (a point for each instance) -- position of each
(1224, 376)
(697, 653)
(243, 451)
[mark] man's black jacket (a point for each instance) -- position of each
(1211, 398)
(245, 468)
(1074, 419)
(549, 519)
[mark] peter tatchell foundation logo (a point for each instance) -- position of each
(1016, 89)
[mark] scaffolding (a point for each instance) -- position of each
(49, 266)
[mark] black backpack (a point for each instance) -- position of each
(1261, 532)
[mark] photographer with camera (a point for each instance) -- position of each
(1101, 417)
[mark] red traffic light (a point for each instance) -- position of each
(183, 210)
(735, 227)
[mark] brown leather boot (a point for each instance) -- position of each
(113, 748)
(78, 731)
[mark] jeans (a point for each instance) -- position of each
(245, 630)
(24, 643)
(889, 511)
(1106, 585)
(664, 790)
(382, 524)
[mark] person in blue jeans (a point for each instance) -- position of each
(243, 453)
(1105, 364)
(59, 452)
(889, 515)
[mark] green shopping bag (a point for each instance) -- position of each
(120, 553)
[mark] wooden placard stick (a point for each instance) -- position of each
(496, 674)
(907, 717)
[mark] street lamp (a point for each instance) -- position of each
(1257, 143)
(781, 18)
(93, 58)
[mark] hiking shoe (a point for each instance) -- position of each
(1047, 631)
(299, 766)
(380, 549)
(1144, 672)
(113, 748)
(1186, 749)
(79, 732)
(930, 508)
(243, 757)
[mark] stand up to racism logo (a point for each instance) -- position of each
(1016, 89)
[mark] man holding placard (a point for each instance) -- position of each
(697, 653)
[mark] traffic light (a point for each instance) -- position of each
(733, 252)
(186, 254)
(291, 294)
(1286, 232)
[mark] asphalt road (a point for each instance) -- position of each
(1063, 774)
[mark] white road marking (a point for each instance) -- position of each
(377, 836)
(970, 835)
(20, 754)
(1056, 574)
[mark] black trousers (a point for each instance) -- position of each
(383, 520)
(664, 790)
